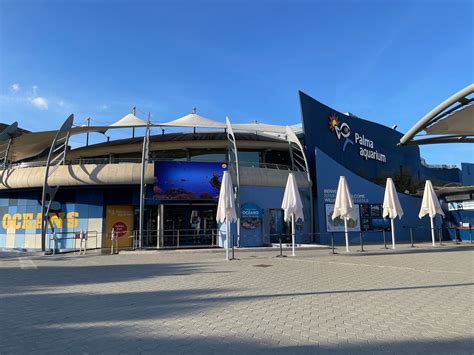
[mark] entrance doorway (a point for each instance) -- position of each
(189, 226)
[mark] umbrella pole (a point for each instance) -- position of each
(432, 231)
(293, 233)
(393, 233)
(346, 234)
(227, 232)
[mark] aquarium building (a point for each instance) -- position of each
(159, 188)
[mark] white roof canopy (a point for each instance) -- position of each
(193, 120)
(31, 144)
(129, 120)
(452, 121)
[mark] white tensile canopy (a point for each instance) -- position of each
(292, 206)
(343, 206)
(31, 144)
(194, 120)
(459, 122)
(391, 206)
(430, 206)
(129, 120)
(452, 121)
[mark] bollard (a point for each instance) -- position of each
(440, 236)
(361, 242)
(384, 239)
(411, 237)
(332, 242)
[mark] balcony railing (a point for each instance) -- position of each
(113, 160)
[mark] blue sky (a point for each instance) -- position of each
(386, 61)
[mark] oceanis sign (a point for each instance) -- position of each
(366, 145)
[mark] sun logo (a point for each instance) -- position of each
(333, 122)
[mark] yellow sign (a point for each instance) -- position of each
(30, 220)
(120, 219)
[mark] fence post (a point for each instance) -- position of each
(384, 239)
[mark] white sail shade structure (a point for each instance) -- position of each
(292, 206)
(226, 211)
(194, 120)
(452, 121)
(391, 206)
(344, 207)
(129, 120)
(430, 206)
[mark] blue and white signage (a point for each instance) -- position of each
(250, 216)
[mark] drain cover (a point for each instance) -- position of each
(262, 265)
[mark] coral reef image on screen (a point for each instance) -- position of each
(188, 180)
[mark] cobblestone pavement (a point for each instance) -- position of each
(408, 301)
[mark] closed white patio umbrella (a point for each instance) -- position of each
(292, 206)
(226, 208)
(343, 206)
(391, 206)
(430, 206)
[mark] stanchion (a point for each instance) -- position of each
(332, 242)
(53, 236)
(384, 239)
(440, 236)
(361, 242)
(281, 250)
(233, 255)
(411, 237)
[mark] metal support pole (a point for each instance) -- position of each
(470, 234)
(411, 237)
(361, 242)
(384, 239)
(440, 236)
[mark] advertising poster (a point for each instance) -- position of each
(338, 224)
(250, 216)
(187, 180)
(119, 218)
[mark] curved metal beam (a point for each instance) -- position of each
(422, 123)
(56, 157)
(233, 151)
(293, 139)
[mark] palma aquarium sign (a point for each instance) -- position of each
(366, 145)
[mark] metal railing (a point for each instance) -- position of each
(113, 160)
(81, 241)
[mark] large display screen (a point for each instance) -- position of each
(187, 180)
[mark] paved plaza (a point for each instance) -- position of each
(412, 300)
